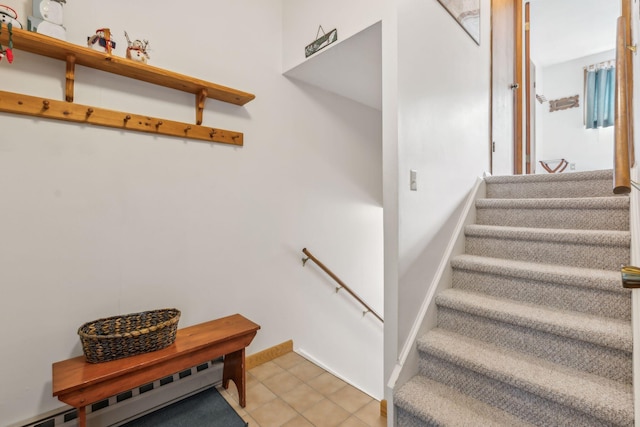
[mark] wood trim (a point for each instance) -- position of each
(626, 13)
(621, 164)
(491, 37)
(527, 84)
(268, 354)
(517, 129)
(383, 408)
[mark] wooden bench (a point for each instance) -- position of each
(79, 383)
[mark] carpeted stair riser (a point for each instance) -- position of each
(578, 391)
(601, 213)
(597, 302)
(527, 406)
(606, 250)
(582, 184)
(595, 359)
(444, 406)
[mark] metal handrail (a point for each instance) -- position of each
(622, 145)
(339, 282)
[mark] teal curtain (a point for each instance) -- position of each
(600, 98)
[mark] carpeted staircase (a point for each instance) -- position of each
(536, 327)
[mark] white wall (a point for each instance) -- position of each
(443, 104)
(303, 17)
(97, 222)
(561, 134)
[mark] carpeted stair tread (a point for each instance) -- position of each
(605, 174)
(577, 184)
(602, 249)
(594, 213)
(436, 404)
(596, 359)
(586, 290)
(607, 400)
(601, 331)
(585, 237)
(604, 203)
(608, 280)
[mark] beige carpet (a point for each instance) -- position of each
(535, 329)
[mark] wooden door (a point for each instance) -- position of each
(506, 87)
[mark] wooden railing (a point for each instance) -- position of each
(623, 146)
(339, 282)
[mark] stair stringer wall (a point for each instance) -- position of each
(407, 363)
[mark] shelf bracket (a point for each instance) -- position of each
(70, 77)
(201, 98)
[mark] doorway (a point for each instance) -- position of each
(553, 33)
(506, 87)
(568, 37)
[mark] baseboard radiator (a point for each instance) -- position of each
(131, 404)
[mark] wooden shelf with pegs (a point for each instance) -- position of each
(74, 55)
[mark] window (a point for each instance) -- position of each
(599, 95)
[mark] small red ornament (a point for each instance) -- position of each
(9, 54)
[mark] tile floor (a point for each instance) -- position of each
(291, 391)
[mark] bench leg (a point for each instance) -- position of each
(234, 370)
(82, 416)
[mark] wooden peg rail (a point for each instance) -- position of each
(74, 55)
(60, 110)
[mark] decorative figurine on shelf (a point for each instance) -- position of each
(101, 40)
(8, 52)
(137, 50)
(9, 16)
(48, 18)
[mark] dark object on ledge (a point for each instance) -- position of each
(630, 277)
(562, 165)
(321, 42)
(116, 337)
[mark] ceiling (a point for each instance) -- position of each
(562, 30)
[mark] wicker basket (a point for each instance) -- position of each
(127, 335)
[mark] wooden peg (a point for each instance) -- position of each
(89, 111)
(45, 105)
(127, 118)
(159, 124)
(187, 129)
